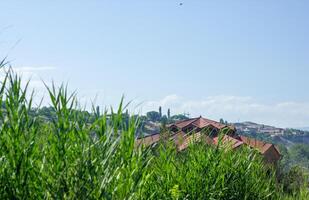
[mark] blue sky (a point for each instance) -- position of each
(240, 60)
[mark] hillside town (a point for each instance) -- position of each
(249, 127)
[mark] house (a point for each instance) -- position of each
(200, 124)
(269, 151)
(183, 133)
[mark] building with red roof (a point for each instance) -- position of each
(185, 132)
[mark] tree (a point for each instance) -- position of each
(299, 154)
(164, 120)
(153, 116)
(179, 117)
(168, 113)
(222, 121)
(160, 111)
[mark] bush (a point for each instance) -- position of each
(294, 180)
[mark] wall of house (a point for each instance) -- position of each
(271, 156)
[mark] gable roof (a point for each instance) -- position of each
(151, 139)
(148, 140)
(261, 146)
(196, 137)
(179, 137)
(228, 140)
(201, 123)
(184, 123)
(182, 140)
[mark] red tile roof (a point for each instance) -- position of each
(261, 146)
(196, 137)
(180, 136)
(184, 123)
(200, 122)
(148, 140)
(182, 140)
(228, 140)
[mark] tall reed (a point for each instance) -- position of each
(72, 158)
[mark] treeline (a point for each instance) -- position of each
(151, 118)
(158, 116)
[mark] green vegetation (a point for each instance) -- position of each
(295, 154)
(204, 172)
(77, 155)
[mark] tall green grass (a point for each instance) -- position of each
(205, 172)
(69, 158)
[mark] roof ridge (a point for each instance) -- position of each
(185, 120)
(146, 136)
(211, 120)
(195, 119)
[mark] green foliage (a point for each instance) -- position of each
(294, 180)
(300, 154)
(153, 116)
(294, 183)
(164, 120)
(66, 158)
(17, 140)
(178, 117)
(204, 172)
(296, 155)
(77, 155)
(160, 111)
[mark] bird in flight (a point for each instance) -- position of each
(180, 4)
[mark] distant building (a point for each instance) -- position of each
(184, 132)
(269, 151)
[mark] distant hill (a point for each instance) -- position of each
(303, 128)
(287, 136)
(258, 128)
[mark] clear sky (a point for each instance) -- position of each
(239, 60)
